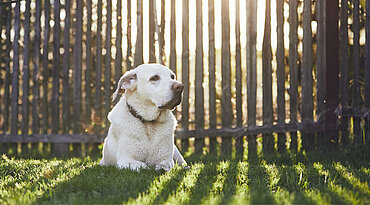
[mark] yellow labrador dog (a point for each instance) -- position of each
(142, 127)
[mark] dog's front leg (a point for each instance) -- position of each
(165, 164)
(177, 157)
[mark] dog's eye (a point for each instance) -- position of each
(154, 78)
(172, 76)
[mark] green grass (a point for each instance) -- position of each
(316, 178)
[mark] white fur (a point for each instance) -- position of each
(132, 143)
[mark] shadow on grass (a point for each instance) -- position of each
(100, 185)
(170, 187)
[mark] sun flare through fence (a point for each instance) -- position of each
(269, 74)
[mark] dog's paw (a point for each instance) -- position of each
(133, 165)
(166, 165)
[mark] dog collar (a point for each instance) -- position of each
(135, 114)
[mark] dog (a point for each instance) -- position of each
(141, 133)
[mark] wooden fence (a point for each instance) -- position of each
(307, 88)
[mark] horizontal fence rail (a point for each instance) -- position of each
(294, 75)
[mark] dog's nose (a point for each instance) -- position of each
(178, 87)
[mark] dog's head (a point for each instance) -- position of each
(153, 82)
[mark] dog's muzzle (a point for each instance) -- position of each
(177, 89)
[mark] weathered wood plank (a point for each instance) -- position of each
(320, 68)
(280, 56)
(7, 100)
(66, 67)
(25, 69)
(251, 71)
(238, 84)
(332, 66)
(212, 73)
(89, 61)
(98, 59)
(308, 141)
(356, 72)
(185, 72)
(118, 62)
(180, 134)
(161, 40)
(55, 70)
(268, 142)
(36, 69)
(343, 67)
(78, 68)
(45, 65)
(15, 71)
(173, 53)
(152, 25)
(138, 57)
(129, 45)
(226, 107)
(367, 72)
(108, 56)
(293, 68)
(199, 93)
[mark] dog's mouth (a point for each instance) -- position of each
(175, 101)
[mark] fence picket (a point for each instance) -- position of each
(212, 76)
(108, 67)
(251, 71)
(98, 62)
(280, 57)
(66, 67)
(138, 57)
(45, 65)
(161, 40)
(173, 54)
(199, 93)
(118, 60)
(128, 54)
(36, 68)
(293, 67)
(25, 69)
(367, 73)
(226, 107)
(238, 84)
(89, 62)
(7, 100)
(268, 140)
(152, 25)
(307, 84)
(56, 69)
(185, 72)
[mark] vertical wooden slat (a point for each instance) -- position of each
(238, 84)
(36, 68)
(118, 63)
(212, 74)
(343, 67)
(173, 54)
(138, 57)
(15, 72)
(199, 97)
(77, 68)
(89, 61)
(307, 81)
(7, 82)
(226, 107)
(268, 140)
(367, 73)
(356, 71)
(45, 65)
(128, 54)
(152, 22)
(185, 73)
(320, 69)
(56, 69)
(161, 40)
(26, 63)
(332, 70)
(280, 56)
(293, 68)
(65, 73)
(98, 60)
(251, 70)
(108, 39)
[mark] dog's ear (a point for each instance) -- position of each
(127, 81)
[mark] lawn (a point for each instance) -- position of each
(291, 178)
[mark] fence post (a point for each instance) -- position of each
(332, 66)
